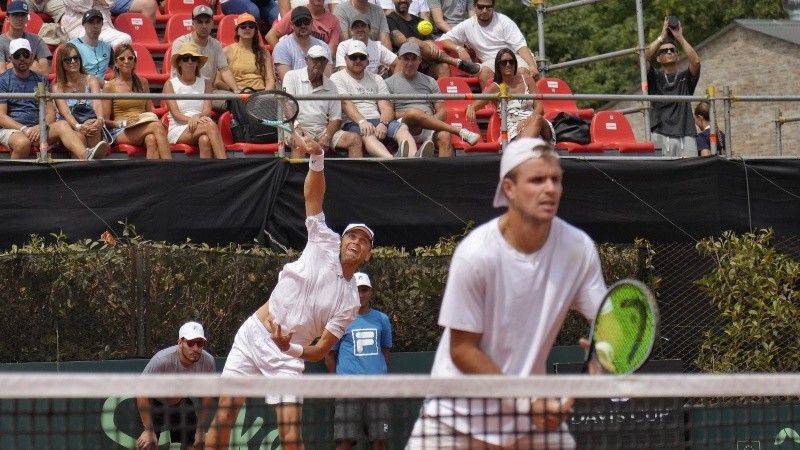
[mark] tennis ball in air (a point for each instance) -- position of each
(425, 28)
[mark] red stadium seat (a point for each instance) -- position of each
(178, 25)
(458, 119)
(246, 148)
(180, 148)
(553, 107)
(146, 66)
(612, 130)
(137, 25)
(456, 85)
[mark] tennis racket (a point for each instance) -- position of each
(624, 332)
(274, 108)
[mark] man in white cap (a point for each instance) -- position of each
(318, 121)
(177, 414)
(512, 281)
(17, 19)
(19, 118)
(363, 350)
(74, 20)
(313, 303)
(425, 118)
(372, 119)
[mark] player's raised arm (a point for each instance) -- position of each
(314, 188)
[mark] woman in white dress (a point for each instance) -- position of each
(190, 121)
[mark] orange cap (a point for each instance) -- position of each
(244, 18)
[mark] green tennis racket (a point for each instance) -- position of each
(274, 108)
(625, 329)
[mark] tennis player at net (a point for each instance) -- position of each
(511, 283)
(315, 297)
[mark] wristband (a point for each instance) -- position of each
(362, 121)
(24, 128)
(123, 123)
(315, 163)
(78, 126)
(295, 350)
(660, 39)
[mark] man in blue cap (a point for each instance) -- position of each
(17, 20)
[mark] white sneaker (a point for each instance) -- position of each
(98, 151)
(427, 149)
(470, 137)
(404, 150)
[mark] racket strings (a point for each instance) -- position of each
(272, 108)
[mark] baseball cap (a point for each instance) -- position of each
(19, 44)
(362, 279)
(202, 10)
(91, 14)
(356, 47)
(408, 47)
(301, 12)
(191, 331)
(17, 7)
(360, 18)
(360, 226)
(316, 51)
(515, 154)
(245, 18)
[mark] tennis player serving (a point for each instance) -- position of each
(315, 297)
(511, 283)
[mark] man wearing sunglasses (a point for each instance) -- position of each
(324, 26)
(672, 123)
(177, 414)
(17, 20)
(19, 118)
(487, 32)
(290, 53)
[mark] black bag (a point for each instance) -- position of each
(246, 129)
(571, 128)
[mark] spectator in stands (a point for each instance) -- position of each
(147, 8)
(363, 350)
(318, 120)
(324, 26)
(177, 414)
(703, 121)
(372, 119)
(83, 115)
(524, 116)
(403, 28)
(249, 61)
(53, 8)
(291, 50)
(265, 11)
(671, 123)
(95, 53)
(190, 121)
(487, 32)
(75, 17)
(19, 118)
(425, 119)
(17, 17)
(445, 14)
(493, 272)
(314, 301)
(130, 123)
(216, 70)
(381, 60)
(347, 12)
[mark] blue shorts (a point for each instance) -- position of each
(121, 6)
(393, 127)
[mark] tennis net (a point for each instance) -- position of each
(99, 411)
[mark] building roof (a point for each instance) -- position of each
(787, 30)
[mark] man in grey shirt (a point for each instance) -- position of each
(445, 14)
(175, 413)
(347, 12)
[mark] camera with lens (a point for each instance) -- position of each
(672, 23)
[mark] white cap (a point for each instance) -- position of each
(362, 279)
(316, 51)
(356, 47)
(191, 331)
(515, 154)
(19, 44)
(363, 228)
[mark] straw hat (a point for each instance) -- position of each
(188, 48)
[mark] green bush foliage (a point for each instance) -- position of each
(122, 297)
(755, 291)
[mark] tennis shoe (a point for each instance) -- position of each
(98, 151)
(404, 150)
(469, 67)
(470, 137)
(427, 150)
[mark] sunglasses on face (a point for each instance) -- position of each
(71, 59)
(484, 7)
(507, 62)
(358, 57)
(664, 51)
(302, 22)
(125, 58)
(247, 26)
(190, 58)
(18, 15)
(22, 54)
(199, 343)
